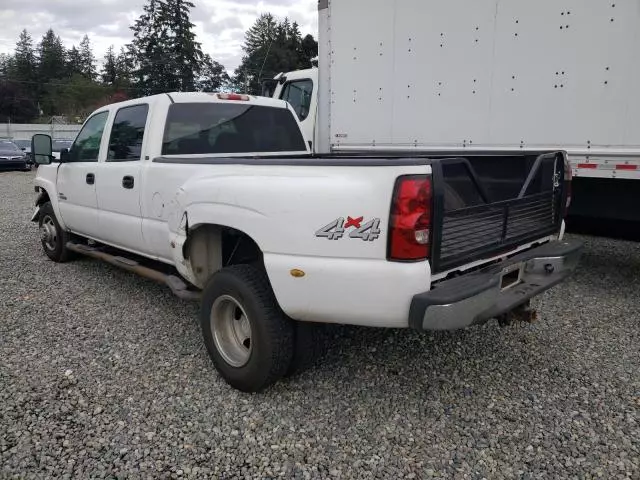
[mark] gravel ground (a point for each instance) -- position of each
(103, 374)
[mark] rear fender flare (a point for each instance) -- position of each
(193, 217)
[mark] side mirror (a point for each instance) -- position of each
(268, 87)
(65, 156)
(41, 149)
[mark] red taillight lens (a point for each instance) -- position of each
(410, 226)
(568, 176)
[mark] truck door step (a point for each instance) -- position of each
(175, 283)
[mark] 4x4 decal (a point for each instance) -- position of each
(335, 230)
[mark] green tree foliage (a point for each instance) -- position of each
(74, 62)
(164, 50)
(47, 79)
(213, 76)
(87, 60)
(24, 59)
(270, 47)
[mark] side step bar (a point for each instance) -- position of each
(176, 284)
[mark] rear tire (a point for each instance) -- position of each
(310, 345)
(52, 237)
(248, 337)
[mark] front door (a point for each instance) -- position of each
(300, 94)
(76, 181)
(119, 185)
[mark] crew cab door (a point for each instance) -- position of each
(118, 180)
(75, 182)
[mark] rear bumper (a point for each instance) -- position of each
(479, 296)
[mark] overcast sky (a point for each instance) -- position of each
(220, 24)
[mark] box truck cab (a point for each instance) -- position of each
(300, 89)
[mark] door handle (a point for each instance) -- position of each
(127, 181)
(91, 178)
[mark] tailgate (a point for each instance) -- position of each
(486, 205)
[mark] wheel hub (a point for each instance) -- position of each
(48, 233)
(231, 331)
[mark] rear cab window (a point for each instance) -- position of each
(219, 128)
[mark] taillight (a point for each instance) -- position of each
(233, 96)
(568, 176)
(410, 224)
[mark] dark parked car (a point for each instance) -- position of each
(25, 146)
(58, 145)
(11, 157)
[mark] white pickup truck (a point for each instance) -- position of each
(217, 196)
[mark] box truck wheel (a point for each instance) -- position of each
(248, 337)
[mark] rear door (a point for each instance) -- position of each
(77, 198)
(118, 180)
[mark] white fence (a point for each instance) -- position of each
(24, 131)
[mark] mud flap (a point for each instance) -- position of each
(36, 214)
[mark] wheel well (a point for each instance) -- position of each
(42, 198)
(210, 248)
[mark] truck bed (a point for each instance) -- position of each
(484, 203)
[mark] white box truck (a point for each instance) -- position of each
(435, 75)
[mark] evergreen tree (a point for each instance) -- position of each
(213, 76)
(5, 61)
(51, 70)
(87, 60)
(51, 57)
(271, 47)
(183, 48)
(24, 60)
(74, 62)
(167, 56)
(109, 75)
(147, 49)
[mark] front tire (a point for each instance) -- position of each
(52, 237)
(248, 337)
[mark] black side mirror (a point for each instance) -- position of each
(268, 87)
(65, 156)
(41, 149)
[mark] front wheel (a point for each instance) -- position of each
(248, 337)
(52, 237)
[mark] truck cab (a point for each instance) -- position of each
(300, 89)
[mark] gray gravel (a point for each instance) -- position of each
(103, 374)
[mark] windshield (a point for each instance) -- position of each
(7, 146)
(58, 145)
(201, 128)
(22, 143)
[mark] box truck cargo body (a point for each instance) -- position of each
(429, 75)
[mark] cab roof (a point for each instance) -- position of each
(204, 97)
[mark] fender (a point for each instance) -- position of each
(46, 180)
(186, 215)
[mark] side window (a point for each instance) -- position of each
(298, 94)
(125, 142)
(87, 144)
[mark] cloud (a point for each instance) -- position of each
(220, 26)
